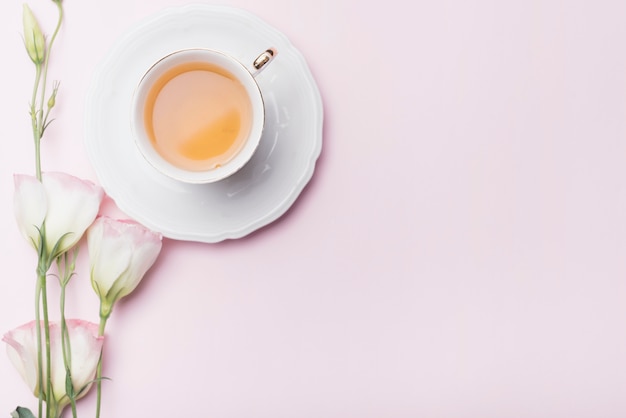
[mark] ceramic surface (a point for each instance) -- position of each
(257, 194)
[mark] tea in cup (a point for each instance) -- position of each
(198, 114)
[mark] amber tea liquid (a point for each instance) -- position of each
(197, 116)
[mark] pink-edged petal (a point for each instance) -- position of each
(86, 350)
(109, 253)
(121, 252)
(146, 246)
(73, 204)
(86, 347)
(22, 351)
(30, 206)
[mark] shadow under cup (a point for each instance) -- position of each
(198, 115)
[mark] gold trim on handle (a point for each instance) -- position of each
(263, 59)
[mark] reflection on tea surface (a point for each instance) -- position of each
(198, 116)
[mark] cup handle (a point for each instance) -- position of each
(260, 63)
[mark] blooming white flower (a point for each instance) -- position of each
(60, 208)
(120, 254)
(86, 347)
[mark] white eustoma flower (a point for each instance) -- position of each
(120, 254)
(61, 206)
(86, 347)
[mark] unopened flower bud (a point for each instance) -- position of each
(53, 97)
(33, 37)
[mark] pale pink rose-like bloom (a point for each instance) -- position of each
(86, 347)
(61, 203)
(120, 254)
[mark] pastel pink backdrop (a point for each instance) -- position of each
(459, 252)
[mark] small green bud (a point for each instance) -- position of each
(33, 37)
(53, 97)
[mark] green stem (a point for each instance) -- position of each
(103, 323)
(66, 347)
(35, 124)
(42, 122)
(33, 99)
(66, 270)
(39, 344)
(39, 120)
(54, 411)
(46, 329)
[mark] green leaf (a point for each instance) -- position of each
(22, 413)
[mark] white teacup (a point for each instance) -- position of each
(198, 114)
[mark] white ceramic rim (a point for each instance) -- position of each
(214, 57)
(252, 198)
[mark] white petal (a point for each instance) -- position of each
(110, 255)
(144, 257)
(30, 206)
(22, 352)
(72, 206)
(86, 350)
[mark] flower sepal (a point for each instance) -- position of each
(21, 412)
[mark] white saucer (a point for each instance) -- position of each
(253, 197)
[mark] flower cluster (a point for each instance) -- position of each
(85, 352)
(53, 214)
(60, 360)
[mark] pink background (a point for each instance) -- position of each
(460, 251)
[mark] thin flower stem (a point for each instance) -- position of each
(33, 103)
(65, 345)
(39, 345)
(46, 327)
(39, 120)
(54, 411)
(40, 276)
(45, 71)
(35, 123)
(103, 324)
(38, 158)
(65, 273)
